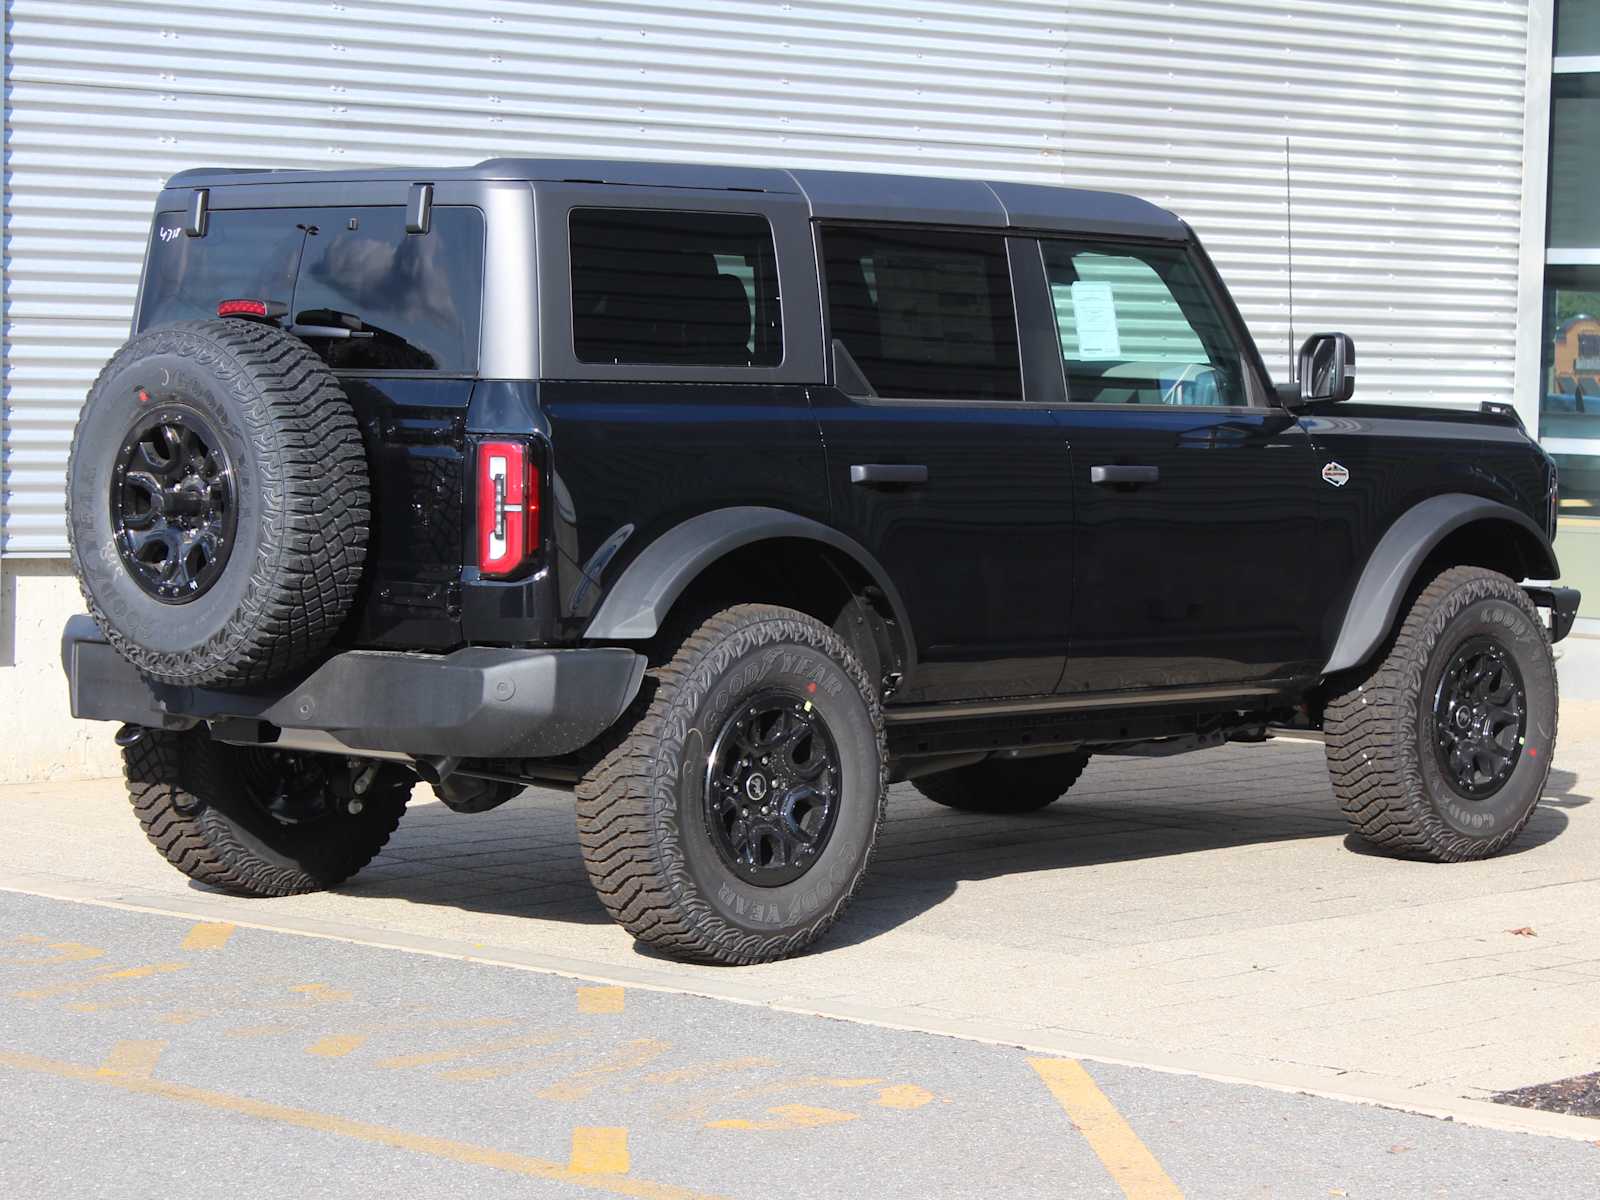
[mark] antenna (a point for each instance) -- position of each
(1288, 213)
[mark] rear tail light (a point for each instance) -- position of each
(508, 507)
(265, 310)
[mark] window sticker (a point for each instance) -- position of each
(1094, 316)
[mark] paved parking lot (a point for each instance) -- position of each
(211, 1059)
(1205, 912)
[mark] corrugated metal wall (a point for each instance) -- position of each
(1406, 144)
(1406, 118)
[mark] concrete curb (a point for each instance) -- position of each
(726, 985)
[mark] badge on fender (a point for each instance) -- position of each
(1336, 473)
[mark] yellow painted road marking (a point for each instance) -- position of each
(65, 952)
(625, 1058)
(456, 1053)
(90, 1006)
(600, 999)
(903, 1095)
(382, 1135)
(136, 1059)
(79, 985)
(788, 1116)
(208, 935)
(337, 1045)
(321, 993)
(695, 1072)
(183, 1016)
(1126, 1159)
(599, 1151)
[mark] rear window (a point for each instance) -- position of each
(655, 287)
(418, 296)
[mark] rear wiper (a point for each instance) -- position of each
(329, 323)
(387, 349)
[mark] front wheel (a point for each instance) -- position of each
(736, 810)
(257, 821)
(1442, 749)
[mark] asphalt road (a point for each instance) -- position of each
(149, 1055)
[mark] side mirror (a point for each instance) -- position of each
(1327, 368)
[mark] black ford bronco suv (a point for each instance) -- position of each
(727, 497)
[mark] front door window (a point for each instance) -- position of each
(1137, 326)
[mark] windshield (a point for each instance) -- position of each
(364, 293)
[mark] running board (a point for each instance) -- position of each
(1103, 701)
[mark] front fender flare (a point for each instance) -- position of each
(638, 602)
(1375, 604)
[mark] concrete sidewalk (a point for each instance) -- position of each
(1205, 912)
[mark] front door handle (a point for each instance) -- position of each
(891, 473)
(1124, 474)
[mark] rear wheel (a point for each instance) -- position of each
(1441, 750)
(1005, 785)
(736, 810)
(259, 822)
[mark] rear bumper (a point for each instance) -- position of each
(1563, 605)
(479, 702)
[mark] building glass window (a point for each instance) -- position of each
(1569, 418)
(1574, 163)
(1577, 27)
(1569, 409)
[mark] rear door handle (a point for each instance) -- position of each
(1124, 474)
(901, 473)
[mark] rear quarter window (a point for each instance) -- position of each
(417, 298)
(656, 287)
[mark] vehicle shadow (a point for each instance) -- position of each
(523, 859)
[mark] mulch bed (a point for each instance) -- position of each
(1577, 1097)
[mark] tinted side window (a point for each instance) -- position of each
(926, 315)
(1138, 326)
(657, 287)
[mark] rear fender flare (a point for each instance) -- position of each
(636, 605)
(1375, 604)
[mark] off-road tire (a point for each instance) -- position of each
(1378, 730)
(1004, 786)
(641, 819)
(193, 797)
(301, 495)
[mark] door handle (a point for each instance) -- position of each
(1124, 474)
(901, 473)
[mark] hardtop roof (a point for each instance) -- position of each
(842, 195)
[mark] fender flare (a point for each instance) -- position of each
(638, 602)
(1393, 563)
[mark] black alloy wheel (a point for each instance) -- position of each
(1440, 748)
(1480, 718)
(291, 788)
(772, 788)
(217, 503)
(260, 822)
(735, 806)
(173, 510)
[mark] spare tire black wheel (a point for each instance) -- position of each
(217, 503)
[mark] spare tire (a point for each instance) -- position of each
(217, 503)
